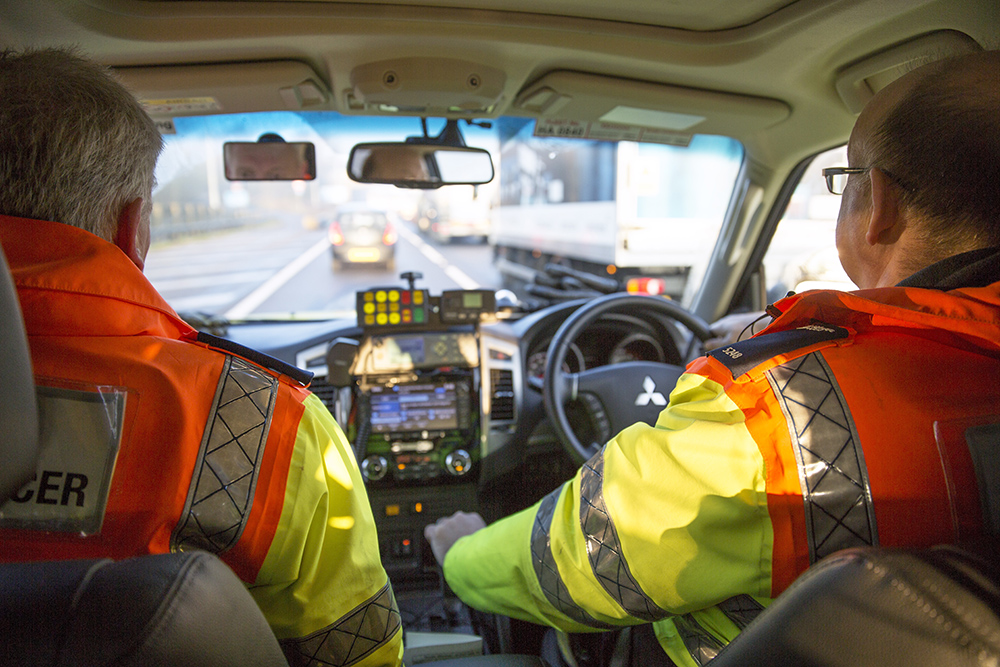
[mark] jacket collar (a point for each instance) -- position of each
(976, 268)
(963, 299)
(71, 282)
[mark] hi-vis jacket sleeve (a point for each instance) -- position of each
(662, 521)
(322, 586)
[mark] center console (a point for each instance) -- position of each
(416, 418)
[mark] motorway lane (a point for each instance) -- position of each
(283, 268)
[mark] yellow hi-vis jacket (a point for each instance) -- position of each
(840, 425)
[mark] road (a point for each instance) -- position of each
(283, 268)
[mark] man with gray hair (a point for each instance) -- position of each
(178, 440)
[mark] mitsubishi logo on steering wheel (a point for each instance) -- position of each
(649, 394)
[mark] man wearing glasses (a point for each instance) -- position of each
(841, 425)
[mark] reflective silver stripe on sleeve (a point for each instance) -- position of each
(699, 642)
(350, 638)
(545, 566)
(225, 475)
(604, 548)
(838, 503)
(741, 610)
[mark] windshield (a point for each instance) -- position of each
(302, 249)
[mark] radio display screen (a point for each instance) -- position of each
(420, 406)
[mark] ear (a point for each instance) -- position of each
(884, 224)
(129, 219)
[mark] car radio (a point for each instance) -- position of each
(421, 429)
(417, 368)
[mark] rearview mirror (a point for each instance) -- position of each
(416, 165)
(269, 160)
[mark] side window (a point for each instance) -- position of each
(803, 252)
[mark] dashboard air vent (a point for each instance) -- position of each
(325, 392)
(501, 395)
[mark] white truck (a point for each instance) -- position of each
(613, 209)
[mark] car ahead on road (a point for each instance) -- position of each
(642, 145)
(362, 235)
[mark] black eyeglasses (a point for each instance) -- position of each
(836, 177)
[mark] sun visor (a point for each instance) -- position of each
(645, 107)
(194, 90)
(858, 83)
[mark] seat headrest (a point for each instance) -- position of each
(18, 406)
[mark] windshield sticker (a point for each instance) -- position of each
(80, 433)
(602, 131)
(180, 105)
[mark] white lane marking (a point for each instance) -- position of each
(206, 281)
(253, 300)
(203, 302)
(460, 277)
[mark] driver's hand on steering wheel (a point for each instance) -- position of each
(444, 532)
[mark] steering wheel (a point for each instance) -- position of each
(621, 394)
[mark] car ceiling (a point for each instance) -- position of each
(786, 78)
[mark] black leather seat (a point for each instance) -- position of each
(171, 609)
(881, 607)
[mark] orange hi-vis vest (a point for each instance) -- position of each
(869, 445)
(132, 341)
(187, 441)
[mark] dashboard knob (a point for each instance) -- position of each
(374, 467)
(458, 462)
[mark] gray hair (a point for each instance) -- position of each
(75, 146)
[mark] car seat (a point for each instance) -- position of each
(889, 607)
(172, 609)
(881, 607)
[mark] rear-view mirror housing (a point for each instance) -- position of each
(419, 165)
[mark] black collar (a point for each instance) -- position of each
(976, 268)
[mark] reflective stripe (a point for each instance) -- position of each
(701, 644)
(741, 610)
(832, 472)
(604, 548)
(351, 637)
(545, 566)
(225, 475)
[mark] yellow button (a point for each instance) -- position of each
(381, 318)
(392, 510)
(393, 295)
(393, 318)
(393, 307)
(369, 308)
(418, 297)
(368, 296)
(380, 296)
(369, 319)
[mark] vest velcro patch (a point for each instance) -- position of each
(746, 355)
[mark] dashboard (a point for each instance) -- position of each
(440, 397)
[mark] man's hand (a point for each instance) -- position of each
(443, 533)
(727, 330)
